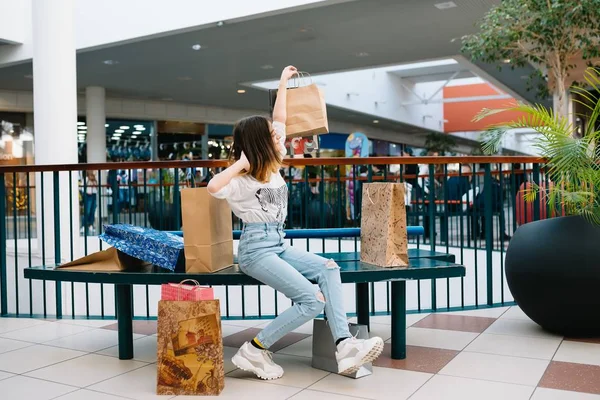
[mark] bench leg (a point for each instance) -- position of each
(362, 304)
(398, 320)
(125, 321)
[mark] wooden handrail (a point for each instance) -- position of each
(288, 162)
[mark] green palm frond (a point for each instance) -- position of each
(573, 163)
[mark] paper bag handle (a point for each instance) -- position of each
(298, 78)
(369, 196)
(195, 282)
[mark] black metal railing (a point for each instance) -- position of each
(469, 206)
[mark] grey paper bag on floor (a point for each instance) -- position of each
(323, 348)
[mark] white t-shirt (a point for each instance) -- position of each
(253, 201)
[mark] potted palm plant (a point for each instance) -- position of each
(552, 265)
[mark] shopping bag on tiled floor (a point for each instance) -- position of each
(189, 348)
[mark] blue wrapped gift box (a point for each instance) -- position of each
(159, 248)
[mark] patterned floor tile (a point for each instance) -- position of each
(384, 383)
(419, 359)
(578, 352)
(571, 376)
(438, 338)
(492, 312)
(454, 388)
(491, 367)
(238, 339)
(460, 323)
(554, 394)
(516, 346)
(22, 388)
(140, 327)
(519, 327)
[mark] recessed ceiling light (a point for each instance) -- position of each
(267, 66)
(81, 132)
(184, 78)
(119, 131)
(115, 138)
(110, 62)
(140, 128)
(241, 91)
(118, 135)
(106, 125)
(196, 47)
(375, 121)
(82, 128)
(124, 127)
(362, 54)
(137, 133)
(80, 123)
(445, 5)
(220, 23)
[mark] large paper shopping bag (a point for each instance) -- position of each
(110, 259)
(306, 107)
(383, 225)
(189, 348)
(207, 233)
(158, 248)
(182, 292)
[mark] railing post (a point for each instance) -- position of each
(3, 285)
(176, 199)
(536, 202)
(489, 231)
(57, 243)
(432, 227)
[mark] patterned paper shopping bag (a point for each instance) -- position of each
(383, 225)
(189, 348)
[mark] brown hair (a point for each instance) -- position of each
(252, 135)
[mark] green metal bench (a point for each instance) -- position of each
(424, 264)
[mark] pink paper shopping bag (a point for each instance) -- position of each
(181, 292)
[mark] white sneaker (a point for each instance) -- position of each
(353, 353)
(259, 362)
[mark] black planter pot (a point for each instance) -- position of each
(553, 272)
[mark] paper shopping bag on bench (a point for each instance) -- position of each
(181, 292)
(207, 234)
(383, 239)
(189, 348)
(108, 260)
(159, 248)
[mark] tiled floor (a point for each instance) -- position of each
(482, 354)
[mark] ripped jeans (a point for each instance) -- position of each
(264, 255)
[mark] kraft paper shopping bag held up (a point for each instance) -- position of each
(383, 225)
(306, 107)
(207, 232)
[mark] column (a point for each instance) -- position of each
(55, 121)
(96, 119)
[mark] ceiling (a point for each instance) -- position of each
(352, 35)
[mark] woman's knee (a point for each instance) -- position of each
(315, 305)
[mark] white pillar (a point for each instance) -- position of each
(55, 119)
(96, 118)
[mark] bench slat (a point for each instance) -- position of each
(351, 271)
(324, 233)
